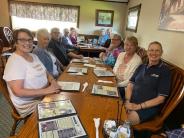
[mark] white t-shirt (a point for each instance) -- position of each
(69, 40)
(34, 76)
(128, 68)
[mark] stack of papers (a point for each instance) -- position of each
(105, 90)
(77, 70)
(103, 73)
(69, 86)
(80, 61)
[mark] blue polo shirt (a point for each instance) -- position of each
(150, 82)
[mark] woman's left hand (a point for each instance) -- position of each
(132, 106)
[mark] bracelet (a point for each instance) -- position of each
(141, 106)
(127, 100)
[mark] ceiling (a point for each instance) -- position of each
(120, 1)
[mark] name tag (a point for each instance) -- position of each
(155, 75)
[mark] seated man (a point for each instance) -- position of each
(148, 87)
(66, 41)
(46, 57)
(62, 54)
(109, 57)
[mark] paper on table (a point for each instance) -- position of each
(100, 68)
(105, 81)
(90, 65)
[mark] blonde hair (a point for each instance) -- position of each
(133, 40)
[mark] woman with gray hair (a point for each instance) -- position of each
(109, 57)
(47, 58)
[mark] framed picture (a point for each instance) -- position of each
(133, 18)
(172, 15)
(104, 18)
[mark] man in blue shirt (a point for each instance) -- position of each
(103, 38)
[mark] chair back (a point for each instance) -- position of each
(4, 90)
(176, 91)
(142, 53)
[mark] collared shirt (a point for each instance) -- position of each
(150, 82)
(103, 39)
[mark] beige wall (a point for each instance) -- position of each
(87, 13)
(4, 17)
(173, 42)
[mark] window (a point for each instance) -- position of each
(34, 16)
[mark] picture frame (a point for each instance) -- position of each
(171, 15)
(133, 18)
(104, 18)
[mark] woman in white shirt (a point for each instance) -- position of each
(126, 64)
(26, 76)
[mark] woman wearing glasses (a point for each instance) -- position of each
(26, 76)
(148, 87)
(109, 57)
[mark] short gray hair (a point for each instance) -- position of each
(42, 32)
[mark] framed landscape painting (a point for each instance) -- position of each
(172, 15)
(133, 18)
(104, 18)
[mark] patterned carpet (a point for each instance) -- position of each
(6, 120)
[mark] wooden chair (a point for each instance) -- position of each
(142, 53)
(176, 96)
(17, 118)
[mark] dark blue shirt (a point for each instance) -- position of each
(59, 51)
(150, 82)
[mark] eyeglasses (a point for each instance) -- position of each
(155, 51)
(22, 40)
(115, 39)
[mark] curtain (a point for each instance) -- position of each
(44, 11)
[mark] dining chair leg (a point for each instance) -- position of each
(12, 133)
(15, 124)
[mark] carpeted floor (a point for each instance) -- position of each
(6, 120)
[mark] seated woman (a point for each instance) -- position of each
(148, 87)
(46, 57)
(109, 57)
(66, 41)
(126, 64)
(73, 36)
(26, 76)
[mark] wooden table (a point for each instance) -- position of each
(87, 106)
(91, 50)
